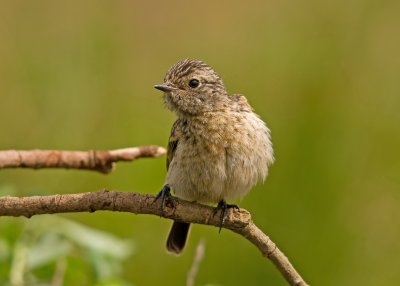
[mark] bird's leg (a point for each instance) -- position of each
(165, 195)
(223, 206)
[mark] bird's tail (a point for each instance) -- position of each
(177, 237)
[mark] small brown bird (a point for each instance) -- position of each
(218, 148)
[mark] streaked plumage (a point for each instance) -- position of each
(218, 147)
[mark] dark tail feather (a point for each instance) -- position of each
(177, 237)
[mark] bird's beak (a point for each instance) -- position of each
(165, 87)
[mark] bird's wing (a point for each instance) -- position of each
(241, 101)
(173, 141)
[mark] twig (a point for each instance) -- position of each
(238, 221)
(59, 273)
(198, 258)
(100, 161)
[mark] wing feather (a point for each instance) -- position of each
(173, 141)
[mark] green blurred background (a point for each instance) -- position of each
(324, 75)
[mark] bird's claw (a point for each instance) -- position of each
(165, 195)
(223, 206)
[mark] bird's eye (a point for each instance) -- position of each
(193, 83)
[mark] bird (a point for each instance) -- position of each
(218, 148)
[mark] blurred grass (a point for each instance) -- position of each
(324, 75)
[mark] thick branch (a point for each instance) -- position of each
(101, 161)
(237, 221)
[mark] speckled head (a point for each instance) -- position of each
(191, 86)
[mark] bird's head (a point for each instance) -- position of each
(191, 87)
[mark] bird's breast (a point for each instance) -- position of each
(220, 157)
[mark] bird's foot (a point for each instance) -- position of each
(165, 195)
(223, 206)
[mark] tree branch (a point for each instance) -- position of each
(100, 161)
(238, 221)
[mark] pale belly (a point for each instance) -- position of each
(221, 158)
(209, 176)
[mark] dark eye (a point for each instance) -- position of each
(193, 83)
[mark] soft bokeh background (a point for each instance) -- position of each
(325, 76)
